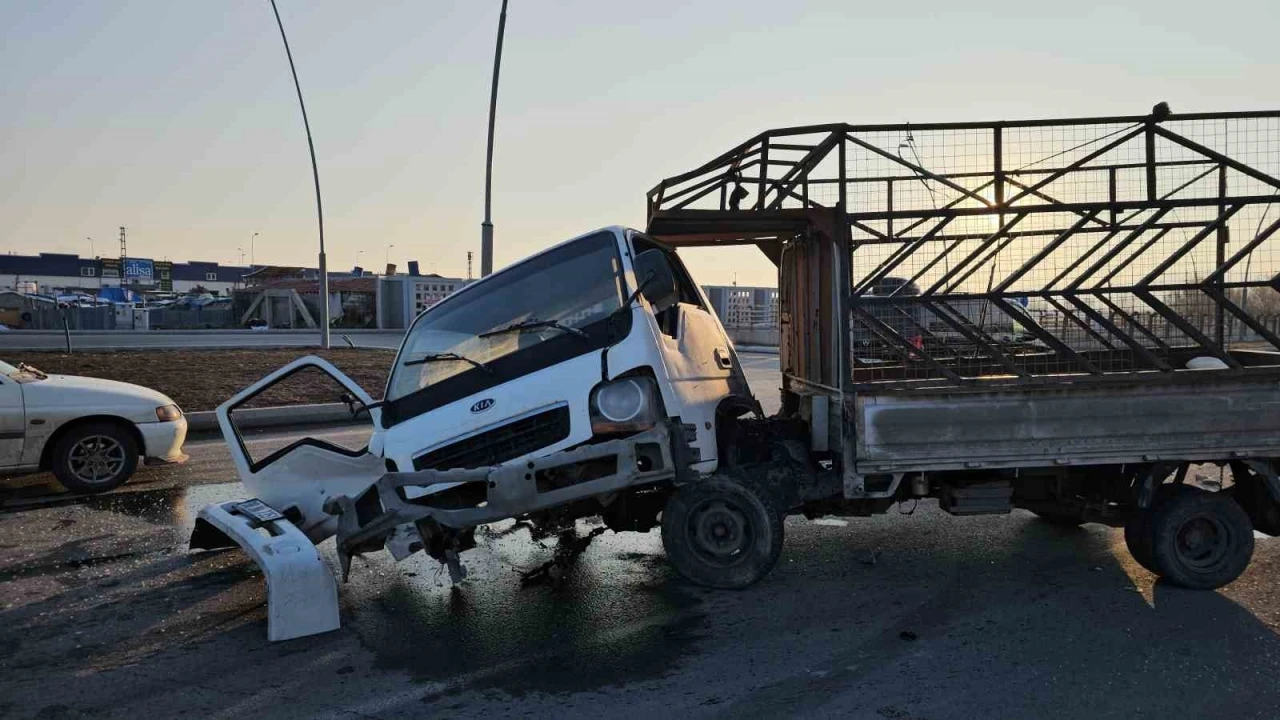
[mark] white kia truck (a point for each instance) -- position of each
(1084, 337)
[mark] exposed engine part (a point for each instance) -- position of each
(444, 544)
(403, 542)
(457, 572)
(635, 511)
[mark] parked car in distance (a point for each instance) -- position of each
(90, 433)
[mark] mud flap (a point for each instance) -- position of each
(302, 595)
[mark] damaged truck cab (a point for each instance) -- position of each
(590, 379)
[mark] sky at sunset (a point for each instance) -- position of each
(178, 119)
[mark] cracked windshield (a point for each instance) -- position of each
(562, 292)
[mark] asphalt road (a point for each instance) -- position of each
(906, 616)
(18, 340)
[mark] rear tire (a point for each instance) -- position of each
(1201, 540)
(95, 457)
(1137, 532)
(722, 532)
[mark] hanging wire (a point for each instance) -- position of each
(1086, 143)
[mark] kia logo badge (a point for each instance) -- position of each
(482, 405)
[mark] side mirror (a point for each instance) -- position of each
(657, 282)
(356, 406)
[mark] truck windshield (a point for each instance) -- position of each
(565, 295)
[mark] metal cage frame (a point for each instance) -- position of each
(1017, 251)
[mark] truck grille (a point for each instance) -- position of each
(501, 444)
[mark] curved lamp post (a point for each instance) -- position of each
(486, 228)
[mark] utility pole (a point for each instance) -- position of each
(486, 228)
(315, 174)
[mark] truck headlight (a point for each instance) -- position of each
(168, 413)
(625, 405)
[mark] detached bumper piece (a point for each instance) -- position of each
(455, 501)
(302, 596)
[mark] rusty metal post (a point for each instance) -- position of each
(1224, 235)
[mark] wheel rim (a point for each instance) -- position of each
(96, 459)
(1202, 543)
(719, 532)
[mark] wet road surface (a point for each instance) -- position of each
(905, 616)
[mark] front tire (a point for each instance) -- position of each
(722, 532)
(1200, 540)
(95, 457)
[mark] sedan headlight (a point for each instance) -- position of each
(168, 413)
(626, 405)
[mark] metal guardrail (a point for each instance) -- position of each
(1030, 248)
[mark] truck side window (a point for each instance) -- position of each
(669, 319)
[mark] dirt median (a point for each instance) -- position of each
(203, 379)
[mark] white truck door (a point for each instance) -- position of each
(13, 422)
(304, 474)
(700, 363)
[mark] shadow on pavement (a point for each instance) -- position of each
(1052, 623)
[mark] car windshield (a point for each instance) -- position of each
(558, 293)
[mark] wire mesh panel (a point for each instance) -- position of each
(1028, 250)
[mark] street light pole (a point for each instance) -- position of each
(91, 246)
(386, 256)
(486, 228)
(251, 239)
(315, 174)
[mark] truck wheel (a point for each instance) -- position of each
(1137, 532)
(95, 458)
(722, 532)
(1200, 540)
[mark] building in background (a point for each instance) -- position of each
(55, 273)
(739, 306)
(403, 297)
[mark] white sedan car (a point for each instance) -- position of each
(90, 433)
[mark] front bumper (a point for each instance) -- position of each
(302, 597)
(368, 521)
(162, 441)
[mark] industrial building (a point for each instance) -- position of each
(739, 306)
(56, 273)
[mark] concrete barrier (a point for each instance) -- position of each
(269, 417)
(762, 336)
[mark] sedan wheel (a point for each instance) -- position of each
(95, 458)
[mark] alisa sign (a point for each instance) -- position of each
(139, 270)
